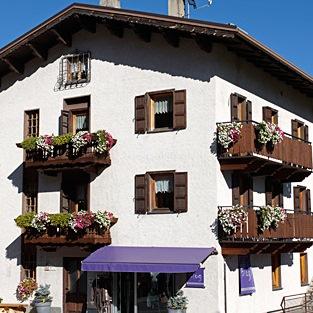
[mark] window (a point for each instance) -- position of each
(302, 199)
(304, 269)
(74, 69)
(159, 111)
(273, 192)
(241, 108)
(74, 192)
(242, 189)
(276, 272)
(161, 192)
(30, 190)
(270, 115)
(29, 261)
(75, 115)
(299, 130)
(31, 123)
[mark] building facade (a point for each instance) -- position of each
(160, 85)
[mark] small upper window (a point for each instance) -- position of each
(241, 108)
(302, 199)
(160, 111)
(74, 70)
(270, 115)
(299, 130)
(31, 123)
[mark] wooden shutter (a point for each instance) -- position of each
(65, 122)
(296, 198)
(234, 107)
(180, 192)
(249, 181)
(179, 109)
(281, 195)
(304, 269)
(308, 200)
(306, 133)
(276, 274)
(268, 191)
(267, 114)
(235, 189)
(294, 128)
(140, 194)
(249, 110)
(140, 114)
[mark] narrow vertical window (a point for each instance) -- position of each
(276, 271)
(31, 123)
(304, 269)
(241, 108)
(242, 189)
(299, 130)
(302, 199)
(270, 115)
(29, 261)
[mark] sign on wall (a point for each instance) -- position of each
(196, 280)
(246, 281)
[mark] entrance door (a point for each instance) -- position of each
(75, 286)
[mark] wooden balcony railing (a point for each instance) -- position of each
(53, 237)
(61, 159)
(295, 234)
(289, 160)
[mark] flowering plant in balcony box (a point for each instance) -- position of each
(232, 217)
(80, 140)
(104, 141)
(269, 133)
(25, 289)
(270, 216)
(103, 219)
(81, 220)
(228, 133)
(44, 144)
(40, 221)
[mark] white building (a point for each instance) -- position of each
(159, 85)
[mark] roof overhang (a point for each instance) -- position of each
(61, 27)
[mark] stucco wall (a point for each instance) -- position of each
(122, 69)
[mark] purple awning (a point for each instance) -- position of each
(146, 259)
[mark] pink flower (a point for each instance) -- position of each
(87, 137)
(47, 139)
(110, 140)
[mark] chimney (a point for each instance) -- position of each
(110, 3)
(176, 8)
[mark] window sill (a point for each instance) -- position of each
(277, 288)
(161, 212)
(305, 284)
(160, 130)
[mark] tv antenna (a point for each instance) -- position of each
(189, 3)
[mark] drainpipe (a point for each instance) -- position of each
(225, 288)
(110, 3)
(176, 8)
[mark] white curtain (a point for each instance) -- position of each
(81, 122)
(163, 106)
(164, 185)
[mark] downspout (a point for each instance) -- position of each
(225, 288)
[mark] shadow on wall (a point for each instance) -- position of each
(260, 261)
(13, 250)
(16, 177)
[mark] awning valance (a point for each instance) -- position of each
(146, 259)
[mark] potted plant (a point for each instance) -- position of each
(178, 303)
(25, 289)
(228, 133)
(270, 216)
(42, 299)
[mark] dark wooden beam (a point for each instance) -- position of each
(115, 29)
(14, 66)
(171, 37)
(143, 32)
(63, 37)
(235, 251)
(38, 51)
(86, 23)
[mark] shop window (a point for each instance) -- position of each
(161, 110)
(242, 189)
(273, 192)
(75, 115)
(161, 192)
(299, 130)
(241, 108)
(31, 123)
(74, 69)
(270, 115)
(276, 271)
(304, 277)
(302, 199)
(74, 192)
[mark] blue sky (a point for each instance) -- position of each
(285, 26)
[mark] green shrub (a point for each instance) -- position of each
(29, 144)
(60, 219)
(62, 139)
(25, 220)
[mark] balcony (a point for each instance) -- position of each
(287, 161)
(56, 157)
(83, 228)
(295, 234)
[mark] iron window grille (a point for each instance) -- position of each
(74, 70)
